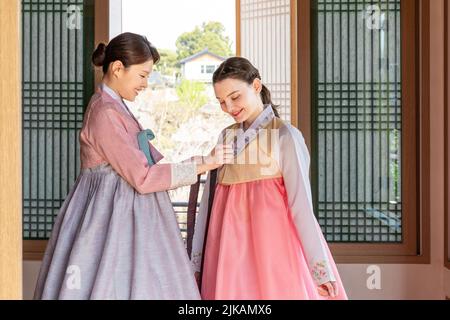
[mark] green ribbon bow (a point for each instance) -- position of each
(143, 137)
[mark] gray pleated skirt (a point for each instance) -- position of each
(110, 242)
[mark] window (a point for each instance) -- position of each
(183, 110)
(364, 137)
(57, 83)
(358, 121)
(210, 69)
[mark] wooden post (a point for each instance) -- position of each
(10, 152)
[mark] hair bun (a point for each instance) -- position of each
(98, 57)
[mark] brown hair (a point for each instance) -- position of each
(241, 69)
(129, 48)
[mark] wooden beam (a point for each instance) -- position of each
(101, 30)
(10, 153)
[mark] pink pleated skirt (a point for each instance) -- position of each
(253, 250)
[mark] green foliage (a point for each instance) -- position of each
(210, 35)
(168, 65)
(191, 94)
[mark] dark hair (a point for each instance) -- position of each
(129, 48)
(241, 69)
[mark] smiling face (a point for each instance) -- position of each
(130, 81)
(239, 99)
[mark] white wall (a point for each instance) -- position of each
(192, 69)
(115, 18)
(397, 281)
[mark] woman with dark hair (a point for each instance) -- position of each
(116, 235)
(262, 238)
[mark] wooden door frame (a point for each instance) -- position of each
(10, 155)
(447, 134)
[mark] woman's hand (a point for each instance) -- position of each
(220, 155)
(328, 289)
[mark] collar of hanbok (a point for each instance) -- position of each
(243, 138)
(115, 96)
(144, 136)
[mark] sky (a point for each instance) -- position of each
(162, 21)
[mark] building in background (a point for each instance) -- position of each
(200, 66)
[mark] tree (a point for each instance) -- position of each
(168, 64)
(192, 95)
(209, 35)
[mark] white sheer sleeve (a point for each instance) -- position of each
(294, 164)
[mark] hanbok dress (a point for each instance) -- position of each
(263, 240)
(116, 234)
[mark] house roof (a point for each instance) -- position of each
(201, 53)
